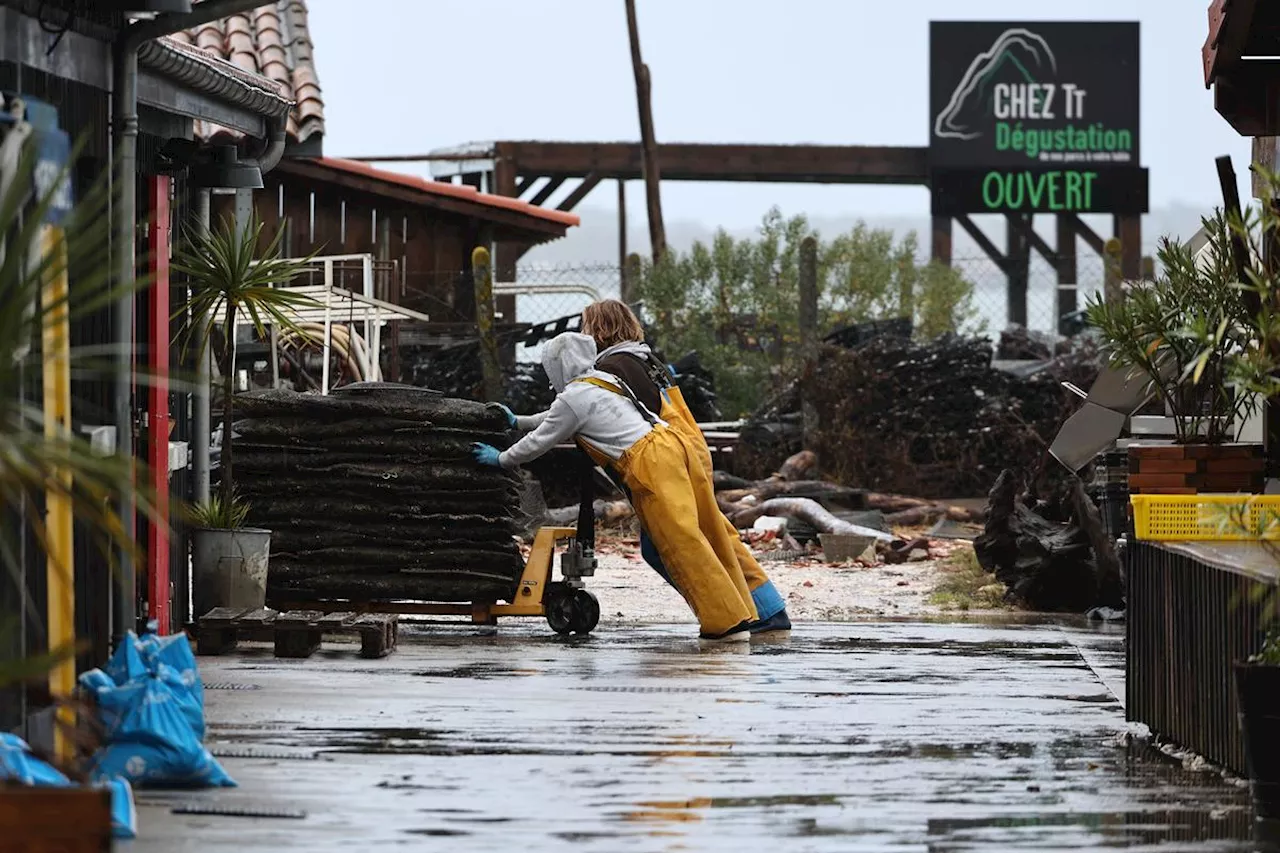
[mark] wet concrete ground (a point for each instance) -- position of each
(853, 737)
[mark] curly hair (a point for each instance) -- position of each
(611, 322)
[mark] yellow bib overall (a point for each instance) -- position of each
(673, 496)
(676, 412)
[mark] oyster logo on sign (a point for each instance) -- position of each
(1012, 97)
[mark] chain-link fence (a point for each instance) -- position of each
(547, 292)
(1046, 300)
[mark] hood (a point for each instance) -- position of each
(568, 357)
(635, 348)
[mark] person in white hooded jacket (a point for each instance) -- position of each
(670, 490)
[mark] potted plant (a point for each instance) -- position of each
(1187, 331)
(229, 279)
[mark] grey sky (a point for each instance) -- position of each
(416, 75)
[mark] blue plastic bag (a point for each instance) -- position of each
(124, 814)
(174, 651)
(153, 745)
(94, 680)
(18, 765)
(126, 663)
(113, 702)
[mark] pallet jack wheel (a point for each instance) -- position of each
(558, 604)
(586, 611)
(571, 611)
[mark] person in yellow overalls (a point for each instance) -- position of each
(670, 487)
(619, 337)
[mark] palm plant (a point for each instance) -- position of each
(40, 461)
(229, 278)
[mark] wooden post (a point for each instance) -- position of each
(1112, 277)
(941, 249)
(808, 296)
(506, 254)
(648, 145)
(1068, 271)
(632, 273)
(1129, 230)
(808, 327)
(1018, 272)
(482, 277)
(625, 293)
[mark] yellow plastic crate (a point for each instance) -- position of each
(1183, 518)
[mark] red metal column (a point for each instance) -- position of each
(158, 588)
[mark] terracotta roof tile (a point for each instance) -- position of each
(272, 40)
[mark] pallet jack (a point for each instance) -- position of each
(566, 604)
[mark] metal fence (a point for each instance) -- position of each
(545, 292)
(1188, 623)
(1046, 299)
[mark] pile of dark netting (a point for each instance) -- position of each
(932, 419)
(371, 494)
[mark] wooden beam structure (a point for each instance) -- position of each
(545, 193)
(984, 242)
(683, 161)
(574, 198)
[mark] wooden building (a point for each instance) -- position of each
(422, 231)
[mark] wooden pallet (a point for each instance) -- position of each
(295, 633)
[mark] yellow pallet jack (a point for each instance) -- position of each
(566, 604)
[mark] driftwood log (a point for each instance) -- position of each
(810, 512)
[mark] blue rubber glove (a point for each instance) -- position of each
(485, 454)
(511, 416)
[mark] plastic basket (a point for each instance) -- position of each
(1190, 518)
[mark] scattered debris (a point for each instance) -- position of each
(1043, 554)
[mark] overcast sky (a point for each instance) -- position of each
(419, 75)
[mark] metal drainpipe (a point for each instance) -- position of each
(125, 115)
(124, 111)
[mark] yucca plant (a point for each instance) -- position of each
(37, 463)
(229, 278)
(216, 514)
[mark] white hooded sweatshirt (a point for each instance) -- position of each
(608, 421)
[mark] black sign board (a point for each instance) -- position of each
(1039, 190)
(1042, 112)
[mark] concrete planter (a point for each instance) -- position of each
(55, 820)
(229, 568)
(1188, 469)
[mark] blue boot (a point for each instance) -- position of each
(772, 610)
